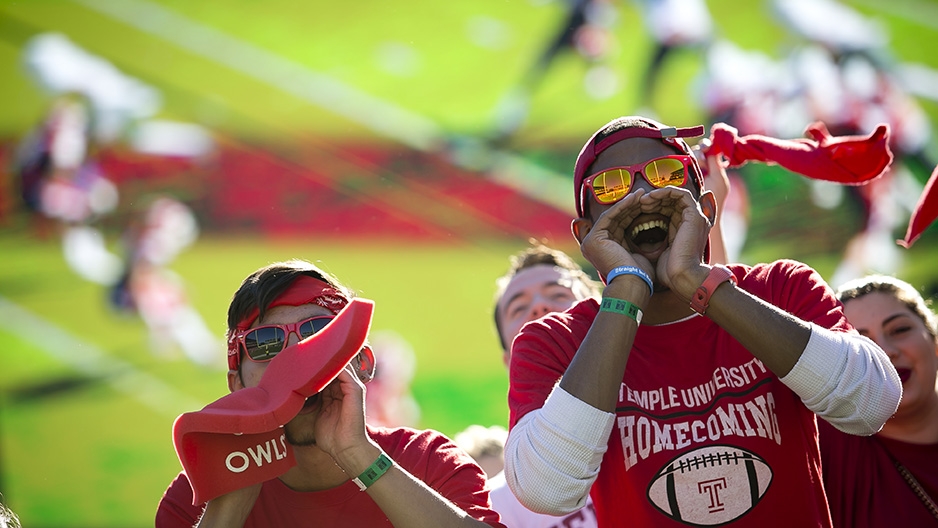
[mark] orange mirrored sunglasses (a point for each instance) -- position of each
(611, 185)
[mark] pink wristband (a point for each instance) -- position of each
(717, 276)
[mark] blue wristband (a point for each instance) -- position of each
(631, 270)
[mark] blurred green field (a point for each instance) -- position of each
(86, 410)
(453, 81)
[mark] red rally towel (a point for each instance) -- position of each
(238, 440)
(850, 160)
(926, 210)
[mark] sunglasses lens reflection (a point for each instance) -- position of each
(264, 343)
(312, 326)
(612, 185)
(665, 172)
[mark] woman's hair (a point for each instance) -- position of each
(901, 290)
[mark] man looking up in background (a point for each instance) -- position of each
(688, 394)
(540, 280)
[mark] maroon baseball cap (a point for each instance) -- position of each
(603, 139)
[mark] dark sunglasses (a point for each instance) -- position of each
(611, 185)
(262, 343)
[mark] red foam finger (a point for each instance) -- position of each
(850, 160)
(249, 418)
(926, 210)
(219, 463)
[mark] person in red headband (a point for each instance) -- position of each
(689, 393)
(346, 473)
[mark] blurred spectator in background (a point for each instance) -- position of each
(148, 288)
(539, 280)
(673, 25)
(890, 478)
(853, 88)
(389, 400)
(584, 31)
(64, 190)
(838, 69)
(94, 106)
(121, 107)
(59, 179)
(487, 446)
(59, 66)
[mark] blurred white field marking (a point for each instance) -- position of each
(267, 67)
(382, 117)
(94, 362)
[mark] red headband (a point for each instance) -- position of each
(303, 290)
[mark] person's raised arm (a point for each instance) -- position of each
(553, 454)
(843, 377)
(595, 374)
(718, 182)
(406, 500)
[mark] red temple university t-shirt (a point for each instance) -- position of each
(704, 433)
(427, 455)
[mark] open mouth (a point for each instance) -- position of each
(649, 235)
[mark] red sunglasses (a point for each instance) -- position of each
(262, 343)
(611, 185)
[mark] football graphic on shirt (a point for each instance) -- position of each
(710, 486)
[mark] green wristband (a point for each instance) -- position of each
(374, 472)
(611, 304)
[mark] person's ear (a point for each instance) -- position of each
(708, 204)
(365, 364)
(581, 227)
(234, 380)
